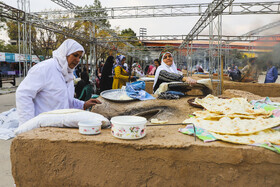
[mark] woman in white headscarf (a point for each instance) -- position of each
(49, 85)
(167, 72)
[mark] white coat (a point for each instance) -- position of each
(45, 89)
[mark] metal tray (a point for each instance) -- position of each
(114, 95)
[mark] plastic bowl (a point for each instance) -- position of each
(128, 127)
(90, 127)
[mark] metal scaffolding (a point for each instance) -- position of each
(215, 53)
(24, 37)
(226, 38)
(21, 16)
(196, 9)
(212, 11)
(263, 28)
(74, 8)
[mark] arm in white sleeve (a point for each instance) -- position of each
(78, 103)
(26, 93)
(74, 103)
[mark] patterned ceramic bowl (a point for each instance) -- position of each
(128, 127)
(90, 127)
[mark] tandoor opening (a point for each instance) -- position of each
(148, 114)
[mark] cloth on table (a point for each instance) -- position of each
(170, 95)
(200, 133)
(8, 123)
(267, 105)
(136, 90)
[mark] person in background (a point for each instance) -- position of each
(106, 76)
(167, 72)
(147, 69)
(33, 64)
(49, 85)
(157, 64)
(272, 73)
(229, 70)
(234, 74)
(137, 70)
(121, 76)
(198, 69)
(125, 67)
(78, 70)
(250, 72)
(81, 84)
(99, 71)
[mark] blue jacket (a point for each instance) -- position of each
(271, 75)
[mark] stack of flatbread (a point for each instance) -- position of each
(234, 120)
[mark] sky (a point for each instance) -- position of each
(232, 25)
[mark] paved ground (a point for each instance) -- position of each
(7, 101)
(6, 180)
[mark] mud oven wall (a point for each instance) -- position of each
(63, 157)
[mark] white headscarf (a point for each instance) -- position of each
(163, 66)
(68, 47)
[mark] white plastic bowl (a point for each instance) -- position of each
(128, 127)
(90, 127)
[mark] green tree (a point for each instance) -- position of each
(42, 41)
(2, 19)
(87, 27)
(129, 34)
(2, 46)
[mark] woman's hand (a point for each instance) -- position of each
(91, 102)
(189, 80)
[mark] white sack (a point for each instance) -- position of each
(61, 118)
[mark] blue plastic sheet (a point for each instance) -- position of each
(136, 90)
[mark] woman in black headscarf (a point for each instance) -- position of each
(81, 84)
(106, 76)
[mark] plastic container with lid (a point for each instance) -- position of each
(90, 127)
(128, 127)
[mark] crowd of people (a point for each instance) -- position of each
(251, 72)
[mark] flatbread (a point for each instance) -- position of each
(156, 121)
(265, 136)
(227, 125)
(229, 106)
(215, 116)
